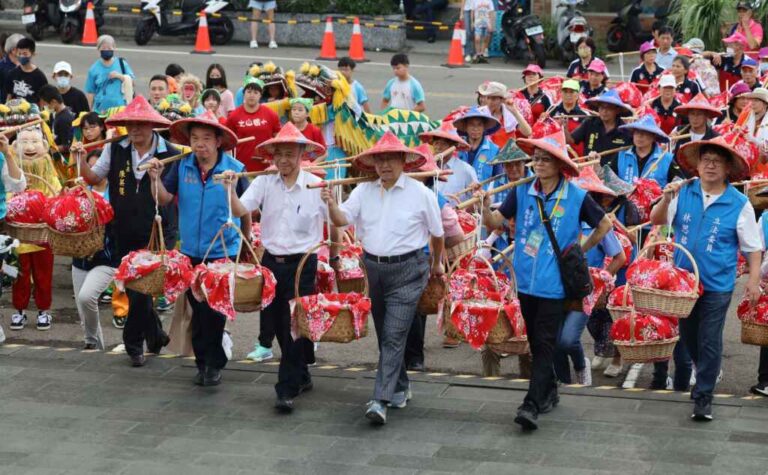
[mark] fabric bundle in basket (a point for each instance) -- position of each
(602, 285)
(25, 216)
(325, 280)
(76, 220)
(350, 276)
(616, 304)
(256, 243)
(337, 318)
(754, 321)
(626, 245)
(220, 281)
(171, 272)
(652, 280)
(644, 338)
(646, 192)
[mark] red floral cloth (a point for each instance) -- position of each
(28, 207)
(215, 282)
(71, 211)
(349, 263)
(256, 235)
(647, 328)
(603, 283)
(626, 245)
(178, 272)
(553, 87)
(456, 113)
(629, 94)
(757, 314)
(523, 106)
(461, 287)
(474, 319)
(616, 298)
(542, 128)
(741, 266)
(720, 101)
(466, 221)
(322, 309)
(661, 275)
(646, 192)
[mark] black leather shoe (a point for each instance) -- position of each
(284, 405)
(212, 377)
(552, 401)
(89, 346)
(137, 361)
(527, 417)
(199, 377)
(416, 367)
(306, 387)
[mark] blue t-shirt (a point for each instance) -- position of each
(239, 97)
(360, 95)
(106, 92)
(403, 94)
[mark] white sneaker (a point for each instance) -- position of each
(599, 362)
(226, 343)
(584, 376)
(670, 383)
(44, 321)
(613, 370)
(18, 320)
(719, 377)
(2, 335)
(272, 45)
(254, 44)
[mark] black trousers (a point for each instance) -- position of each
(294, 355)
(543, 320)
(266, 332)
(207, 331)
(142, 325)
(414, 345)
(762, 369)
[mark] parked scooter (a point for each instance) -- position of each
(571, 27)
(157, 13)
(626, 32)
(523, 35)
(65, 16)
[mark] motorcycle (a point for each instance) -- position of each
(521, 34)
(65, 16)
(157, 13)
(571, 27)
(626, 32)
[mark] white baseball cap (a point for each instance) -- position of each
(62, 66)
(667, 80)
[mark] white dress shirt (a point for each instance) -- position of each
(463, 176)
(291, 218)
(103, 164)
(396, 221)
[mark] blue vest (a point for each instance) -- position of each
(3, 207)
(765, 231)
(540, 276)
(656, 168)
(203, 209)
(486, 152)
(710, 236)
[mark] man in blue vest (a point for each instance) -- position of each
(714, 222)
(540, 290)
(646, 158)
(203, 210)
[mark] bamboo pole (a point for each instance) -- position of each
(481, 183)
(639, 226)
(14, 129)
(615, 55)
(503, 253)
(269, 171)
(363, 179)
(165, 161)
(116, 138)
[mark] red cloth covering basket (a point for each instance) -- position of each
(215, 282)
(603, 284)
(71, 211)
(317, 316)
(644, 338)
(177, 270)
(646, 193)
(27, 207)
(754, 321)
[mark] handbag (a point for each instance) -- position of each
(574, 271)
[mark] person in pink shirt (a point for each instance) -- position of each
(747, 26)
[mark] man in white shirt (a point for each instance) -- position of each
(292, 218)
(395, 217)
(464, 175)
(665, 53)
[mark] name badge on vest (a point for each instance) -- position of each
(533, 243)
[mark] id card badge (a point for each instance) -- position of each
(533, 243)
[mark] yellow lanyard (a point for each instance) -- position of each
(557, 202)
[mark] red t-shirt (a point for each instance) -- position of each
(313, 133)
(262, 124)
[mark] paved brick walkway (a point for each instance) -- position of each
(66, 411)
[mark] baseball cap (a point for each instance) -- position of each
(571, 84)
(695, 44)
(748, 62)
(667, 80)
(742, 5)
(737, 38)
(533, 69)
(62, 66)
(598, 66)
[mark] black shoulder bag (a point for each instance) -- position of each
(574, 271)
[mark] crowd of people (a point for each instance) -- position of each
(679, 137)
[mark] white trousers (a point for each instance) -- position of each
(89, 285)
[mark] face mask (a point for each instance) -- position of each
(584, 52)
(763, 68)
(216, 82)
(729, 51)
(62, 81)
(107, 54)
(24, 60)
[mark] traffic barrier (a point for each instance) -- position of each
(90, 35)
(328, 47)
(356, 48)
(456, 51)
(203, 40)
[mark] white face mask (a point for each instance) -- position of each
(729, 50)
(62, 81)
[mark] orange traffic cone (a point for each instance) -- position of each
(456, 51)
(328, 48)
(89, 30)
(356, 49)
(203, 40)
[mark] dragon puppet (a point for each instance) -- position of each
(335, 105)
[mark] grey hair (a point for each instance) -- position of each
(105, 39)
(10, 42)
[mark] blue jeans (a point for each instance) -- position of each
(569, 344)
(702, 334)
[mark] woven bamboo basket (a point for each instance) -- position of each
(663, 302)
(343, 328)
(345, 286)
(79, 245)
(153, 283)
(510, 340)
(32, 233)
(623, 310)
(754, 334)
(434, 293)
(634, 351)
(758, 202)
(458, 251)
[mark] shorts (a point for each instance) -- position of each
(481, 31)
(263, 6)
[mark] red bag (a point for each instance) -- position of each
(71, 211)
(28, 207)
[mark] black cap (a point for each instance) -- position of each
(742, 5)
